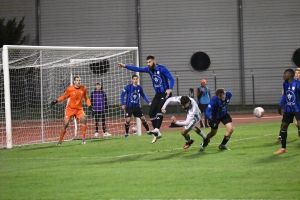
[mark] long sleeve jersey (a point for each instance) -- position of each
(133, 94)
(218, 108)
(192, 113)
(74, 96)
(161, 77)
(99, 100)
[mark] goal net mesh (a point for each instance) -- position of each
(38, 77)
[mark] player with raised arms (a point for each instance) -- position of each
(163, 83)
(74, 94)
(193, 117)
(132, 105)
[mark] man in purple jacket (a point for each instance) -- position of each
(99, 103)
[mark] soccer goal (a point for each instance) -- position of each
(33, 76)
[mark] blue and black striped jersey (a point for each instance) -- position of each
(291, 96)
(133, 94)
(218, 108)
(161, 77)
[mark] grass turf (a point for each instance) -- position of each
(133, 168)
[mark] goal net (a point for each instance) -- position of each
(33, 76)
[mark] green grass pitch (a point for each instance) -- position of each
(133, 168)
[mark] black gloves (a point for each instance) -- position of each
(279, 110)
(53, 103)
(92, 110)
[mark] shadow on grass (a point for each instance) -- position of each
(170, 155)
(276, 158)
(123, 159)
(259, 145)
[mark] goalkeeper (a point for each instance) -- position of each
(163, 83)
(193, 118)
(74, 94)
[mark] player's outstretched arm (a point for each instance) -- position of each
(122, 65)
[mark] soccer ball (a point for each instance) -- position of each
(258, 112)
(133, 129)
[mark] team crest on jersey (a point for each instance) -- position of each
(290, 98)
(134, 98)
(157, 80)
(157, 72)
(293, 88)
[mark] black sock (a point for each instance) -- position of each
(187, 137)
(145, 124)
(127, 125)
(97, 127)
(225, 140)
(159, 119)
(153, 121)
(283, 135)
(104, 127)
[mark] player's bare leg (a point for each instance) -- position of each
(229, 131)
(83, 121)
(205, 142)
(187, 137)
(63, 132)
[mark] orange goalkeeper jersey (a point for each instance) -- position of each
(74, 96)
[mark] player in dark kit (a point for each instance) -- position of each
(163, 83)
(132, 107)
(216, 112)
(99, 103)
(291, 101)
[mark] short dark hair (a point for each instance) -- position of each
(184, 100)
(98, 84)
(220, 91)
(134, 75)
(150, 57)
(291, 71)
(75, 77)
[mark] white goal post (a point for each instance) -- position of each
(33, 76)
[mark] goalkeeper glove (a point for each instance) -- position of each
(53, 103)
(91, 110)
(279, 110)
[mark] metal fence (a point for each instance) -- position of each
(250, 87)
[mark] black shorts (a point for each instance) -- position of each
(202, 107)
(157, 103)
(136, 112)
(289, 116)
(214, 123)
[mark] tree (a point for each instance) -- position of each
(11, 32)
